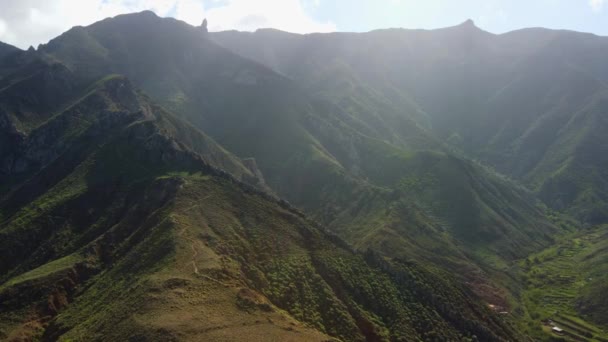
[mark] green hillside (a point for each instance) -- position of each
(162, 183)
(344, 152)
(564, 284)
(533, 101)
(321, 150)
(229, 266)
(127, 233)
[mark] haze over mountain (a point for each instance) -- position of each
(151, 171)
(528, 102)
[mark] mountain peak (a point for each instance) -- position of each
(146, 13)
(468, 26)
(468, 23)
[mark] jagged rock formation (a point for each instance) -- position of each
(204, 26)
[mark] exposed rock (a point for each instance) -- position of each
(252, 166)
(204, 26)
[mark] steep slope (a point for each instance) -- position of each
(534, 107)
(6, 49)
(530, 108)
(65, 143)
(227, 96)
(470, 204)
(339, 151)
(222, 269)
(126, 233)
(7, 55)
(42, 111)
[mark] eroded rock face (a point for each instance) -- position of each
(29, 98)
(113, 106)
(34, 94)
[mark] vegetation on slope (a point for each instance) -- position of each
(106, 195)
(532, 106)
(563, 285)
(115, 236)
(213, 260)
(336, 145)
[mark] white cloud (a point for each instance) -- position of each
(596, 5)
(31, 22)
(190, 11)
(288, 15)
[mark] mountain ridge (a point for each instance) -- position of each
(298, 139)
(125, 222)
(115, 137)
(505, 65)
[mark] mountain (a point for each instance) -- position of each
(6, 49)
(6, 53)
(175, 278)
(37, 109)
(297, 138)
(119, 225)
(532, 108)
(150, 172)
(354, 157)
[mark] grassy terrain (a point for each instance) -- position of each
(346, 152)
(52, 267)
(539, 120)
(173, 248)
(214, 262)
(557, 278)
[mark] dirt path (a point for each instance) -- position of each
(191, 240)
(193, 246)
(194, 255)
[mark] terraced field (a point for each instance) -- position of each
(555, 279)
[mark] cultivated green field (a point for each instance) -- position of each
(557, 280)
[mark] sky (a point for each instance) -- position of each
(32, 22)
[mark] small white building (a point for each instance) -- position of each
(557, 330)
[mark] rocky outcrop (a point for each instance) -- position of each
(204, 26)
(252, 166)
(113, 105)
